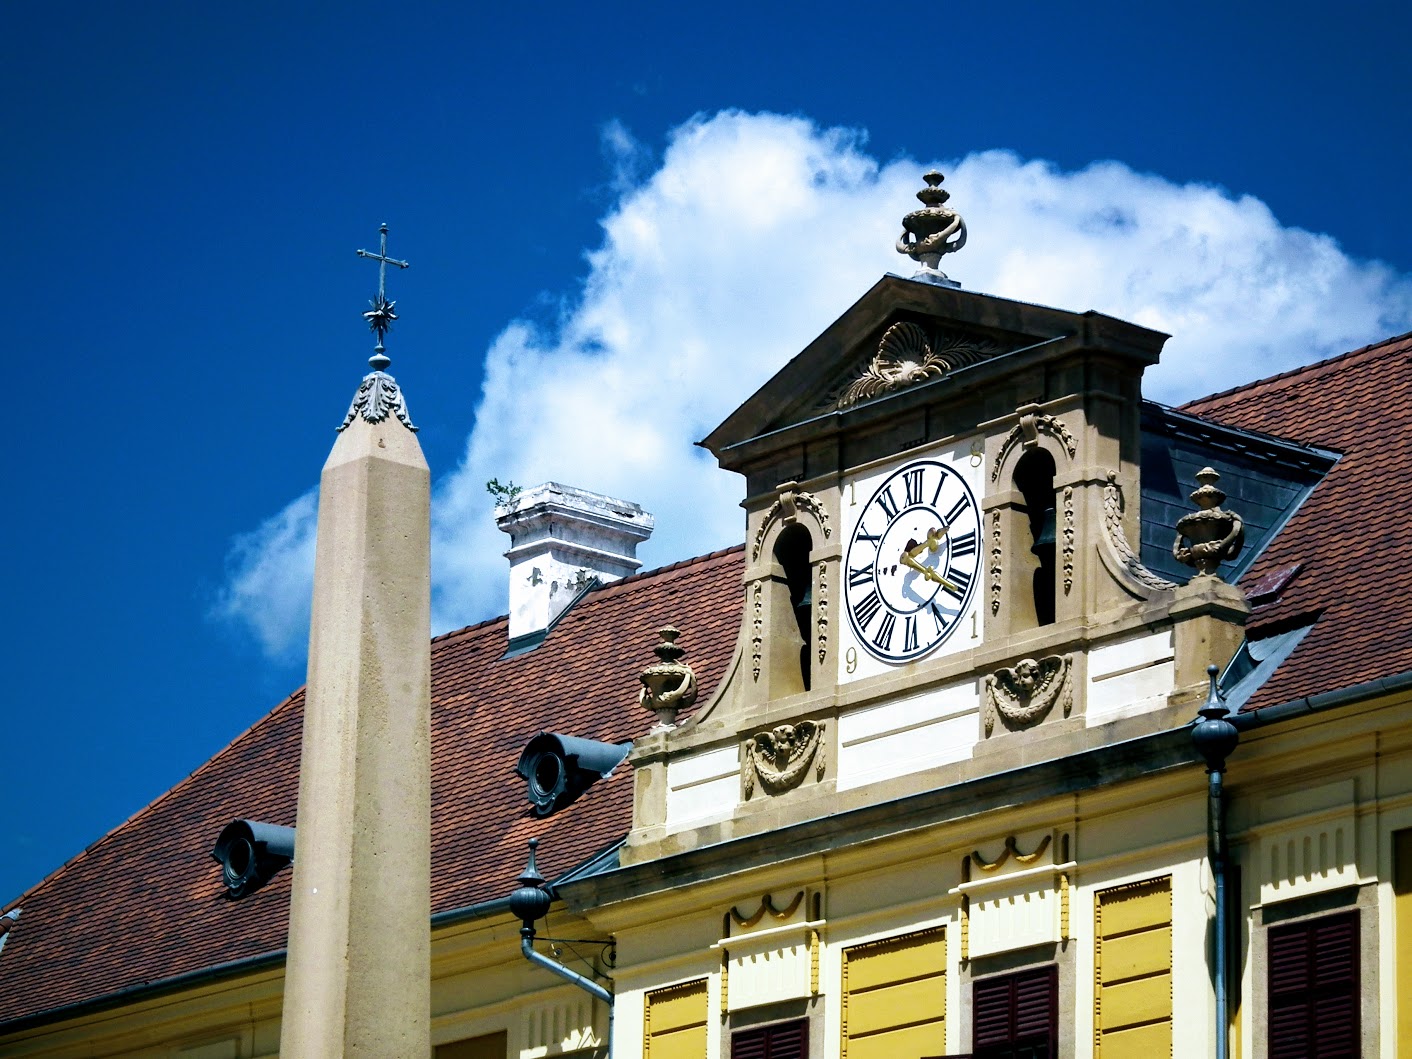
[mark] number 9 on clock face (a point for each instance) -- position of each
(910, 569)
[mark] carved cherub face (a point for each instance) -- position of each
(1027, 673)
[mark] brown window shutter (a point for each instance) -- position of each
(1314, 989)
(785, 1040)
(1016, 1016)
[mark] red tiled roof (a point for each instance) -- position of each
(1353, 535)
(146, 903)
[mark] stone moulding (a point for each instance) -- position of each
(1068, 538)
(767, 904)
(786, 509)
(1118, 554)
(997, 567)
(378, 397)
(1024, 695)
(1010, 850)
(1026, 434)
(779, 759)
(757, 623)
(821, 608)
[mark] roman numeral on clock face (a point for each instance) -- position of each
(861, 576)
(959, 582)
(912, 480)
(963, 544)
(884, 637)
(866, 609)
(887, 503)
(909, 633)
(957, 510)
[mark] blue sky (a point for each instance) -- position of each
(621, 219)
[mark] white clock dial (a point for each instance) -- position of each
(910, 569)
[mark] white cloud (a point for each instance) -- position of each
(269, 580)
(750, 236)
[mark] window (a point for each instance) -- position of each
(783, 1040)
(1016, 1016)
(1313, 989)
(674, 1024)
(894, 997)
(1133, 970)
(490, 1046)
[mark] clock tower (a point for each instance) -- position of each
(941, 562)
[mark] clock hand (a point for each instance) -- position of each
(910, 558)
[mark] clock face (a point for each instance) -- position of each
(911, 563)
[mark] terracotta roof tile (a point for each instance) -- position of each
(145, 903)
(1352, 535)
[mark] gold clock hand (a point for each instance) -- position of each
(910, 557)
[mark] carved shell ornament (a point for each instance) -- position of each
(905, 357)
(780, 757)
(1024, 695)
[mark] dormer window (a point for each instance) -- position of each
(1034, 480)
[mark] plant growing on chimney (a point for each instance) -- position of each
(503, 493)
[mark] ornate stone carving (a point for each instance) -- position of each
(778, 759)
(1117, 541)
(786, 509)
(1023, 696)
(669, 686)
(1214, 536)
(757, 624)
(1068, 536)
(378, 397)
(1010, 850)
(1026, 434)
(932, 232)
(821, 608)
(906, 357)
(767, 904)
(997, 569)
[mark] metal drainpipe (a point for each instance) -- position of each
(1215, 738)
(530, 902)
(586, 984)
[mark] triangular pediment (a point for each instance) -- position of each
(903, 333)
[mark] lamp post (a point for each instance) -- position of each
(1215, 738)
(529, 902)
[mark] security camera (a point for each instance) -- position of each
(250, 852)
(561, 767)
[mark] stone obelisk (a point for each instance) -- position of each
(358, 976)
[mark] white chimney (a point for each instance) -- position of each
(560, 539)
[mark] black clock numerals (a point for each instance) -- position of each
(957, 583)
(942, 619)
(884, 637)
(885, 501)
(866, 609)
(909, 633)
(957, 509)
(912, 482)
(963, 544)
(862, 575)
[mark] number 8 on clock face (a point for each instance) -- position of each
(911, 562)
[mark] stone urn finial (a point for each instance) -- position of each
(1213, 536)
(932, 232)
(669, 686)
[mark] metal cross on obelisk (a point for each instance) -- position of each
(381, 315)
